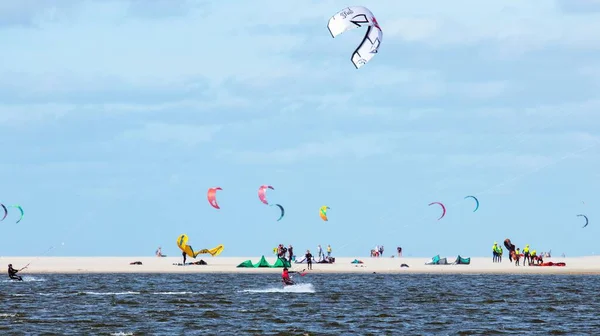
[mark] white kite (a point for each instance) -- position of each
(354, 17)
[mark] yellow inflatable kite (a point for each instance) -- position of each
(182, 244)
(323, 212)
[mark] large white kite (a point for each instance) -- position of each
(354, 17)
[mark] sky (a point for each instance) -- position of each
(117, 116)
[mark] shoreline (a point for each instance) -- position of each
(589, 265)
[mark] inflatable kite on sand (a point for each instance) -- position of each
(509, 245)
(183, 246)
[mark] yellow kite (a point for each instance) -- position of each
(182, 244)
(323, 212)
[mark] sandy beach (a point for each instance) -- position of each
(479, 265)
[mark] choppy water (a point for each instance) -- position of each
(211, 304)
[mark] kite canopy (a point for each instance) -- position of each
(354, 17)
(443, 208)
(323, 212)
(586, 219)
(282, 211)
(20, 209)
(5, 212)
(212, 197)
(189, 251)
(509, 245)
(476, 202)
(262, 193)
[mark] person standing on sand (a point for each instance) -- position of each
(526, 255)
(320, 252)
(328, 251)
(291, 252)
(517, 256)
(499, 252)
(309, 258)
(184, 257)
(495, 251)
(399, 249)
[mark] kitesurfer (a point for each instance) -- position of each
(309, 257)
(285, 276)
(328, 251)
(12, 273)
(518, 257)
(184, 256)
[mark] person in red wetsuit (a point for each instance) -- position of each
(285, 276)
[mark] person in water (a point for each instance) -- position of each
(285, 276)
(12, 273)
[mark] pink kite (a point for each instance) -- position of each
(212, 197)
(443, 209)
(262, 193)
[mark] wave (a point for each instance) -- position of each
(299, 288)
(177, 293)
(110, 293)
(25, 279)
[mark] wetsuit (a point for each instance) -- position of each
(309, 258)
(12, 273)
(184, 257)
(285, 276)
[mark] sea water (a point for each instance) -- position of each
(331, 304)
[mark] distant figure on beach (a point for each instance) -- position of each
(184, 257)
(495, 252)
(500, 252)
(290, 252)
(159, 252)
(320, 252)
(309, 258)
(12, 273)
(328, 251)
(399, 251)
(517, 256)
(526, 255)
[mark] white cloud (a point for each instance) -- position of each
(353, 146)
(521, 26)
(187, 135)
(23, 114)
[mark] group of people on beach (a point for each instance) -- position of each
(377, 251)
(530, 256)
(287, 253)
(283, 251)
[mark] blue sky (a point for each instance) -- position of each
(117, 116)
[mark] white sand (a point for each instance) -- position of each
(575, 265)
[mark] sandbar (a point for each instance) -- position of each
(383, 265)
